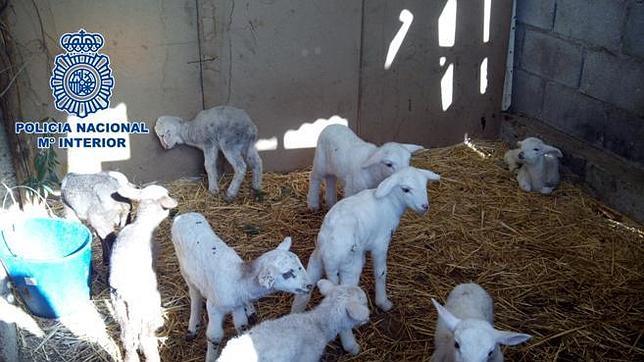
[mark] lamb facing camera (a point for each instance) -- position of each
(538, 165)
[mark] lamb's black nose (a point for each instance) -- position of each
(309, 286)
(521, 155)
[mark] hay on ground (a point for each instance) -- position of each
(563, 268)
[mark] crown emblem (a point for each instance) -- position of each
(82, 80)
(82, 42)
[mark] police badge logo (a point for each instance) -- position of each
(82, 80)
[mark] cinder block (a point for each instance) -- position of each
(527, 93)
(634, 31)
(551, 58)
(615, 80)
(539, 13)
(598, 22)
(624, 135)
(571, 112)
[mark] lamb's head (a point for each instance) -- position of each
(348, 301)
(168, 130)
(282, 270)
(476, 340)
(154, 201)
(409, 185)
(533, 149)
(391, 157)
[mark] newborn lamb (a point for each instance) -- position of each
(538, 165)
(302, 337)
(222, 129)
(359, 165)
(465, 331)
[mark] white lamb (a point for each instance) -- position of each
(224, 129)
(465, 331)
(302, 337)
(539, 165)
(363, 223)
(133, 282)
(214, 271)
(359, 165)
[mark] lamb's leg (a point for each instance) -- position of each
(255, 163)
(313, 197)
(314, 271)
(380, 275)
(330, 195)
(150, 348)
(129, 336)
(350, 275)
(210, 156)
(196, 305)
(234, 157)
(214, 332)
(240, 320)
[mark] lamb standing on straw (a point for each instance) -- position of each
(302, 336)
(359, 165)
(538, 165)
(214, 271)
(226, 129)
(363, 223)
(465, 330)
(133, 282)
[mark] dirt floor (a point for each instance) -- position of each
(562, 267)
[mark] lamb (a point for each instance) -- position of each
(213, 270)
(133, 283)
(539, 165)
(222, 129)
(465, 331)
(365, 222)
(302, 336)
(359, 165)
(94, 198)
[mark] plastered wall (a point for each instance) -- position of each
(289, 63)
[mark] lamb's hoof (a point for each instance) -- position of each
(213, 190)
(313, 208)
(190, 336)
(252, 319)
(229, 198)
(354, 349)
(258, 195)
(385, 306)
(546, 190)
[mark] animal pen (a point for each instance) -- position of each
(466, 79)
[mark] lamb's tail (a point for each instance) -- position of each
(314, 270)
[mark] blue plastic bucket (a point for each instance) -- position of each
(48, 261)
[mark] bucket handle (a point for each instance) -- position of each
(13, 199)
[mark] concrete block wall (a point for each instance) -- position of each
(579, 67)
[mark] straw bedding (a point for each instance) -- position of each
(563, 267)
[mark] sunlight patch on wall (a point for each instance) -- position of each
(487, 7)
(406, 17)
(447, 87)
(88, 160)
(307, 135)
(442, 61)
(483, 82)
(447, 25)
(266, 144)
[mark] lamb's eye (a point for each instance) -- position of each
(456, 345)
(490, 353)
(405, 189)
(389, 164)
(288, 274)
(536, 149)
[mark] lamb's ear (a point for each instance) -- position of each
(431, 176)
(412, 148)
(375, 158)
(130, 192)
(325, 286)
(266, 277)
(552, 150)
(519, 143)
(386, 186)
(285, 244)
(451, 321)
(168, 202)
(357, 311)
(510, 338)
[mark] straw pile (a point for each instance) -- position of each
(563, 267)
